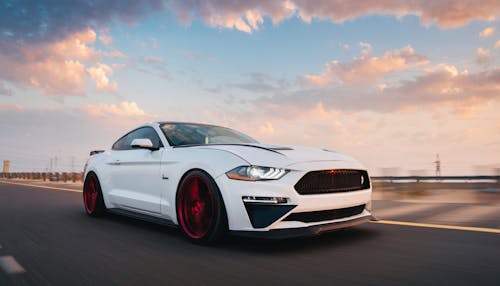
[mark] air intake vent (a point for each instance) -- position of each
(318, 216)
(332, 181)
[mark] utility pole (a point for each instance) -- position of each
(438, 166)
(72, 164)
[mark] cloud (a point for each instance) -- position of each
(445, 86)
(267, 128)
(106, 38)
(440, 87)
(152, 65)
(367, 68)
(497, 44)
(247, 16)
(100, 74)
(26, 22)
(445, 13)
(53, 77)
(260, 83)
(483, 56)
(59, 68)
(487, 32)
(124, 109)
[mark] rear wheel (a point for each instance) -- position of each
(92, 196)
(200, 208)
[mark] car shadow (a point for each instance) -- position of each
(233, 243)
(337, 238)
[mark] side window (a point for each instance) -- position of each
(150, 133)
(121, 144)
(144, 132)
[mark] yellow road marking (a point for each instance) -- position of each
(441, 226)
(43, 187)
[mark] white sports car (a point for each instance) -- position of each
(210, 180)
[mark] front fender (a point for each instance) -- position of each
(176, 162)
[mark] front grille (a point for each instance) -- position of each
(332, 181)
(318, 216)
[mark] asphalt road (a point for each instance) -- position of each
(54, 242)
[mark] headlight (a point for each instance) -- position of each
(256, 173)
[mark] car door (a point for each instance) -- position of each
(135, 173)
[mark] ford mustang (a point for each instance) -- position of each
(209, 180)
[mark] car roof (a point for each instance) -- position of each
(183, 122)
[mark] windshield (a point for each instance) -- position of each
(182, 134)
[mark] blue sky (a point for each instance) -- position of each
(392, 83)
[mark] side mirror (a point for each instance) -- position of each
(143, 143)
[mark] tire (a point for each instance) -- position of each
(200, 209)
(93, 201)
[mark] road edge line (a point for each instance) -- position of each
(440, 226)
(10, 265)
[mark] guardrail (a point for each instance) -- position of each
(417, 179)
(45, 176)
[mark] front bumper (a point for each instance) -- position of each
(238, 214)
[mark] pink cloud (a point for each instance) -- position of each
(56, 77)
(248, 16)
(483, 56)
(445, 86)
(58, 68)
(442, 87)
(497, 44)
(367, 67)
(487, 32)
(445, 13)
(106, 38)
(100, 74)
(124, 109)
(245, 16)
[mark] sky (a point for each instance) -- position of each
(389, 82)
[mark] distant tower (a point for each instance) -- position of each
(6, 166)
(438, 166)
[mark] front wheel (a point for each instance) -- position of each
(92, 196)
(200, 208)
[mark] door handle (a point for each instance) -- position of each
(116, 162)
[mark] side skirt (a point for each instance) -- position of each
(143, 217)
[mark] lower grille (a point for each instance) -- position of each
(332, 181)
(318, 216)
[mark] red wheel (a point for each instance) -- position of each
(92, 196)
(200, 210)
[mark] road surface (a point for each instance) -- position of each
(47, 239)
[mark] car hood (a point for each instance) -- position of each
(280, 156)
